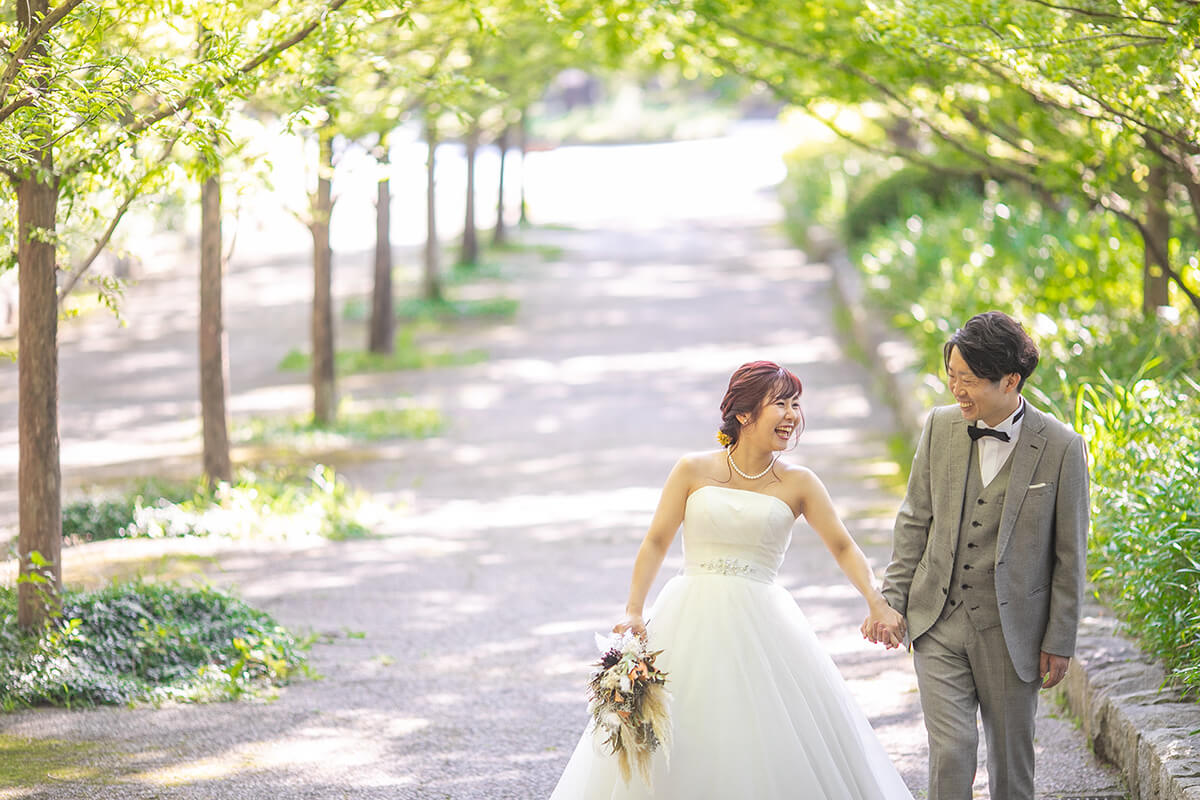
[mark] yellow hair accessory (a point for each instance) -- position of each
(724, 439)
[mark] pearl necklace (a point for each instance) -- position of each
(751, 477)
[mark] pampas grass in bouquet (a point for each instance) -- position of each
(629, 703)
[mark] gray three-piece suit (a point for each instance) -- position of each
(988, 577)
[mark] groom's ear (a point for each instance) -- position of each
(1011, 381)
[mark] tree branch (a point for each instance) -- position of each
(31, 40)
(27, 97)
(247, 67)
(1088, 12)
(107, 235)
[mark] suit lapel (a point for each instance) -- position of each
(1030, 446)
(956, 473)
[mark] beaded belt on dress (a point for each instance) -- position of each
(732, 567)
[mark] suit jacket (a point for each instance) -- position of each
(1041, 547)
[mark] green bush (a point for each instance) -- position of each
(906, 191)
(269, 504)
(1144, 554)
(142, 642)
(106, 517)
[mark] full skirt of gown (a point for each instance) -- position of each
(758, 708)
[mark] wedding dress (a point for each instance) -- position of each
(759, 711)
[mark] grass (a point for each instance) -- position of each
(445, 310)
(406, 355)
(29, 763)
(371, 425)
(142, 642)
(485, 308)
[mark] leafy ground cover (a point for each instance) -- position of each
(142, 642)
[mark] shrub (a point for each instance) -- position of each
(142, 642)
(906, 191)
(270, 504)
(1144, 554)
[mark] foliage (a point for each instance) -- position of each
(1127, 383)
(119, 91)
(405, 355)
(820, 179)
(418, 308)
(1070, 102)
(270, 504)
(106, 516)
(1144, 554)
(443, 310)
(142, 642)
(371, 425)
(906, 191)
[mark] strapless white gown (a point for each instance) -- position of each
(759, 711)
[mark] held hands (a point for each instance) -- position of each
(884, 625)
(632, 623)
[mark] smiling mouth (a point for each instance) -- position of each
(784, 431)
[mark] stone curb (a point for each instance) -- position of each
(1112, 689)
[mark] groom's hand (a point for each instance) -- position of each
(884, 625)
(1052, 668)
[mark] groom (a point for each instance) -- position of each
(988, 561)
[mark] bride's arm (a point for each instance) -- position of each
(663, 527)
(820, 514)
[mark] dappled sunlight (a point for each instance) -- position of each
(454, 644)
(615, 508)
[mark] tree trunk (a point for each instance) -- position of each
(1158, 225)
(500, 235)
(383, 315)
(432, 285)
(214, 365)
(324, 392)
(39, 474)
(523, 131)
(470, 241)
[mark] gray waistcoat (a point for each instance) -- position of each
(974, 583)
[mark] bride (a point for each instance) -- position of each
(758, 708)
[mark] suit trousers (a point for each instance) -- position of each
(961, 670)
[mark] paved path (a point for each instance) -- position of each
(458, 642)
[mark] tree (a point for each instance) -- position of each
(94, 97)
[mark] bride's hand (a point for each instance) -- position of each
(633, 623)
(884, 625)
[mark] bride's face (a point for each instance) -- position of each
(775, 423)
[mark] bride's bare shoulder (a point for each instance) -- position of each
(797, 475)
(702, 460)
(702, 466)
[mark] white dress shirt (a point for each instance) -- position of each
(993, 452)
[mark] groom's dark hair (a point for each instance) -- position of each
(994, 345)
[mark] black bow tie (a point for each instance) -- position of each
(976, 433)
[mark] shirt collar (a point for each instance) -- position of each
(1011, 425)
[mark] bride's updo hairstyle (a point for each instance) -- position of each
(750, 385)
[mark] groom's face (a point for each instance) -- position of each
(979, 398)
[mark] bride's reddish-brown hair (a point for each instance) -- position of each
(750, 385)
